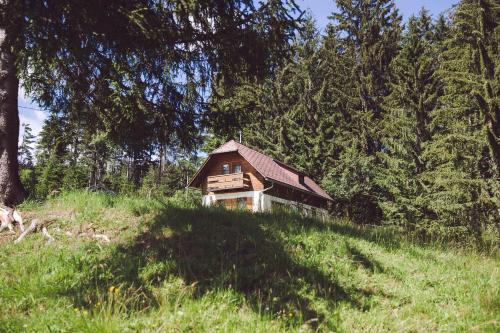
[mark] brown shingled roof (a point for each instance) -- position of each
(272, 169)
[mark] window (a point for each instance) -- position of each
(225, 169)
(241, 203)
(237, 168)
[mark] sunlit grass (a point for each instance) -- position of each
(172, 268)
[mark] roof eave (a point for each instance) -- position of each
(190, 184)
(298, 189)
(223, 152)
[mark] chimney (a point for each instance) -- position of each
(301, 178)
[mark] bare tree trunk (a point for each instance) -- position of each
(11, 189)
(127, 158)
(160, 167)
(92, 171)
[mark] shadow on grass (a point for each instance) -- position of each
(363, 260)
(217, 249)
(382, 236)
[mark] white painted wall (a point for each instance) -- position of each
(263, 202)
(296, 206)
(211, 199)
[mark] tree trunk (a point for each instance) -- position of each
(160, 167)
(11, 189)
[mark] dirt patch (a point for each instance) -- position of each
(8, 236)
(63, 224)
(62, 214)
(52, 215)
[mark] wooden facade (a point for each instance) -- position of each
(230, 180)
(214, 168)
(289, 193)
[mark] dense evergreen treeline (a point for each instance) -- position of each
(125, 78)
(398, 121)
(126, 85)
(68, 158)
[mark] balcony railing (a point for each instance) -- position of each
(227, 182)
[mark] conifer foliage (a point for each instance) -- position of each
(26, 147)
(399, 122)
(415, 91)
(135, 69)
(461, 180)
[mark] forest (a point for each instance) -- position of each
(398, 121)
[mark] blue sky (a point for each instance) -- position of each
(320, 9)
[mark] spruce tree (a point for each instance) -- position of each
(26, 147)
(26, 160)
(461, 184)
(122, 60)
(52, 152)
(369, 34)
(477, 23)
(345, 172)
(280, 115)
(297, 86)
(415, 90)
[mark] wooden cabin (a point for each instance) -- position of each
(238, 177)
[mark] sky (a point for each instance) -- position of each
(31, 113)
(321, 9)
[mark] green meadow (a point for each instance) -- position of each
(174, 267)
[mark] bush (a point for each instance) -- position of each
(189, 198)
(28, 179)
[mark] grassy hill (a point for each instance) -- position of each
(174, 268)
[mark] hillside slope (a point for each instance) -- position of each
(171, 268)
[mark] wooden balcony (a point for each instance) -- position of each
(228, 182)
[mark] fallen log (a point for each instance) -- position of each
(5, 223)
(18, 218)
(104, 238)
(34, 224)
(50, 239)
(100, 237)
(9, 216)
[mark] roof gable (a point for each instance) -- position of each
(270, 168)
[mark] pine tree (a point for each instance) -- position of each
(26, 147)
(132, 62)
(415, 90)
(369, 34)
(477, 23)
(461, 189)
(52, 151)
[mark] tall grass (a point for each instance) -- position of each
(173, 266)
